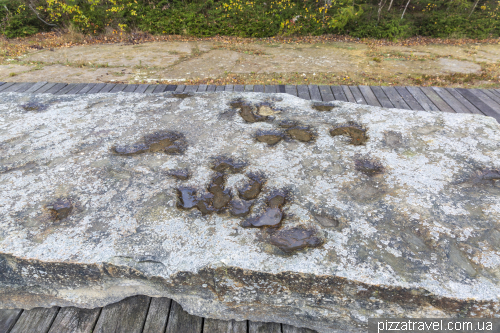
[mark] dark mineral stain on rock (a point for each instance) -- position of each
(182, 95)
(247, 111)
(205, 203)
(169, 142)
(369, 166)
(228, 165)
(270, 218)
(393, 139)
(34, 107)
(181, 174)
(269, 137)
(486, 176)
(252, 190)
(295, 239)
(327, 221)
(288, 123)
(276, 199)
(187, 197)
(132, 149)
(301, 133)
(323, 106)
(221, 197)
(61, 208)
(356, 132)
(240, 207)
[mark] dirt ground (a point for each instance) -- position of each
(314, 60)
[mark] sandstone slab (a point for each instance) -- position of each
(355, 212)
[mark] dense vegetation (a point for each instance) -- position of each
(391, 19)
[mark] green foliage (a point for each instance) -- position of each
(387, 28)
(17, 20)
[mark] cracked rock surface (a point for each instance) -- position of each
(404, 224)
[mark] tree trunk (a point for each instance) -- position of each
(404, 11)
(475, 4)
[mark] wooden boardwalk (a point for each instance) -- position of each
(143, 314)
(478, 101)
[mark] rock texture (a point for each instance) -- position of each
(249, 206)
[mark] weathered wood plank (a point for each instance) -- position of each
(222, 326)
(150, 89)
(338, 93)
(220, 88)
(358, 96)
(422, 99)
(15, 87)
(488, 101)
(191, 88)
(291, 89)
(281, 88)
(438, 101)
(86, 89)
(126, 316)
(409, 99)
(369, 96)
(270, 89)
(464, 101)
(452, 101)
(45, 88)
(159, 309)
(107, 88)
(259, 327)
(496, 91)
(75, 320)
(239, 87)
(474, 99)
(202, 88)
(229, 87)
(2, 83)
(381, 97)
(65, 90)
(97, 88)
(7, 86)
(180, 88)
(160, 88)
(37, 320)
(171, 87)
(26, 86)
(130, 88)
(326, 93)
(395, 98)
(314, 92)
(34, 88)
(292, 329)
(488, 93)
(181, 321)
(8, 318)
(348, 94)
(211, 87)
(258, 88)
(141, 88)
(76, 89)
(303, 92)
(249, 87)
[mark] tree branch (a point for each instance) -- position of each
(37, 15)
(405, 9)
(475, 4)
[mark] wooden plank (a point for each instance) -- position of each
(156, 321)
(358, 96)
(191, 88)
(66, 89)
(26, 87)
(159, 88)
(348, 94)
(395, 98)
(338, 93)
(8, 319)
(97, 88)
(229, 87)
(258, 88)
(15, 87)
(130, 88)
(291, 329)
(75, 320)
(76, 89)
(171, 87)
(326, 93)
(45, 88)
(181, 321)
(107, 88)
(281, 88)
(482, 106)
(37, 320)
(86, 89)
(464, 101)
(150, 89)
(180, 88)
(270, 89)
(118, 88)
(211, 87)
(259, 327)
(290, 89)
(6, 86)
(487, 100)
(220, 88)
(452, 101)
(303, 92)
(438, 101)
(249, 87)
(239, 87)
(381, 97)
(127, 316)
(369, 96)
(496, 91)
(222, 326)
(409, 99)
(2, 83)
(314, 92)
(202, 88)
(34, 88)
(488, 93)
(56, 88)
(141, 88)
(422, 99)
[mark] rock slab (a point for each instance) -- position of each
(251, 206)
